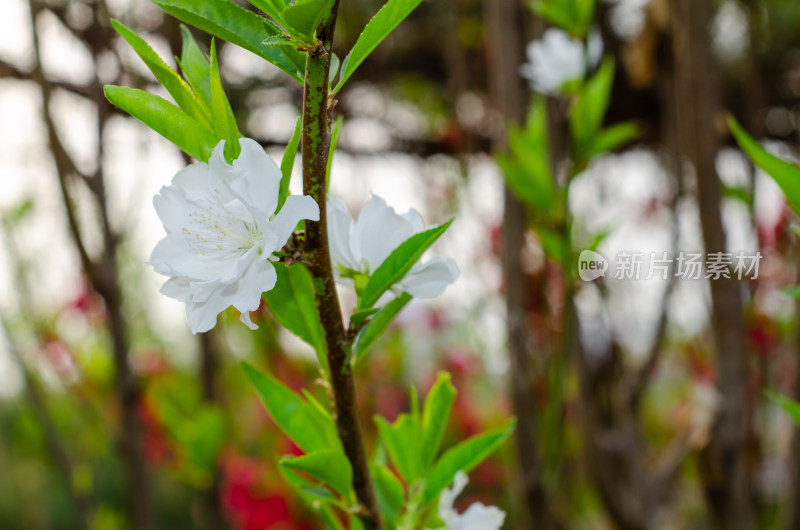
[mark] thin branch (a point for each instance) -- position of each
(315, 144)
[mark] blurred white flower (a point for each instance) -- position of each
(557, 59)
(730, 32)
(628, 17)
(221, 232)
(359, 247)
(477, 517)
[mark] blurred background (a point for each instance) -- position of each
(642, 407)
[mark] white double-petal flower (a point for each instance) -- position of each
(557, 59)
(221, 232)
(359, 247)
(477, 517)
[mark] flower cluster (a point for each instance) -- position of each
(223, 230)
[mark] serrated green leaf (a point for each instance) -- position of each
(330, 466)
(301, 422)
(166, 119)
(196, 68)
(402, 440)
(375, 328)
(463, 457)
(785, 174)
(278, 40)
(435, 414)
(169, 78)
(233, 23)
(377, 29)
(399, 262)
(222, 113)
(293, 305)
(273, 8)
(302, 18)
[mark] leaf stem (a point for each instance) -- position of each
(314, 152)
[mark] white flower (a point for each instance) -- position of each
(359, 247)
(557, 59)
(221, 232)
(477, 517)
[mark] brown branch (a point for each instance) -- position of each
(103, 275)
(315, 146)
(723, 461)
(502, 21)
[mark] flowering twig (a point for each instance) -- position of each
(315, 145)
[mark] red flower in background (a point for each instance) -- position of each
(252, 504)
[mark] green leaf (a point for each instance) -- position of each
(228, 21)
(375, 328)
(377, 29)
(792, 292)
(359, 317)
(287, 163)
(166, 119)
(330, 466)
(612, 138)
(168, 77)
(785, 174)
(316, 498)
(334, 68)
(435, 414)
(293, 305)
(399, 262)
(402, 440)
(222, 113)
(196, 68)
(304, 17)
(789, 405)
(273, 8)
(389, 491)
(278, 40)
(337, 128)
(589, 108)
(463, 457)
(309, 428)
(527, 170)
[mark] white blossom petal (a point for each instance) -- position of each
(219, 234)
(378, 231)
(295, 209)
(476, 517)
(429, 279)
(340, 225)
(362, 246)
